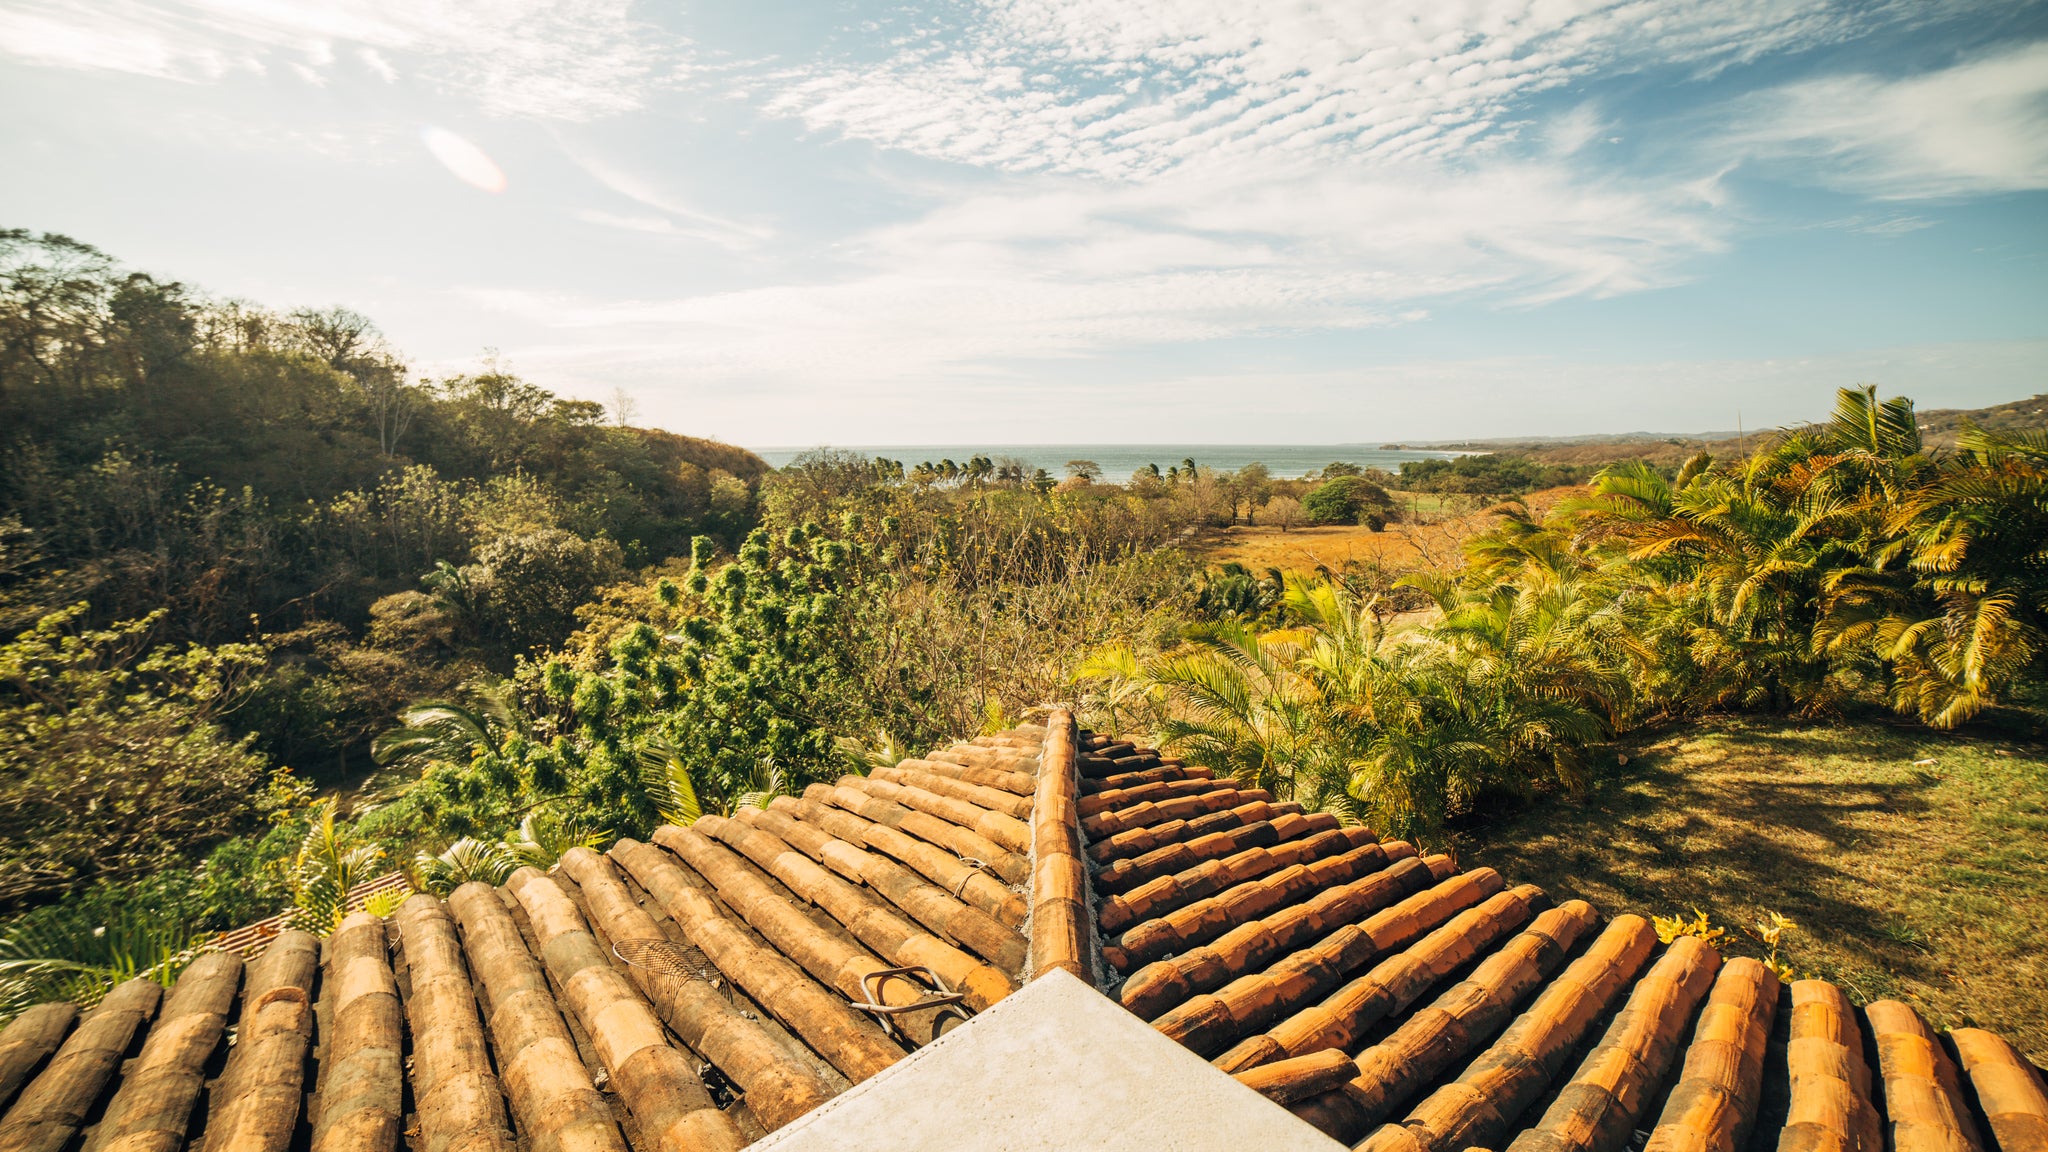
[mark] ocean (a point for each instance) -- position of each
(1118, 461)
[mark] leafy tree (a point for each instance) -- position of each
(527, 587)
(768, 680)
(1285, 511)
(113, 758)
(1487, 474)
(1348, 499)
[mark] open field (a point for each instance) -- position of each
(1449, 522)
(1915, 863)
(1262, 546)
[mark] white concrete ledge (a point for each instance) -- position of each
(1055, 1067)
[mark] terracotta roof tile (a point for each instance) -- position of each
(729, 978)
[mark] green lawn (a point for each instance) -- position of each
(1922, 882)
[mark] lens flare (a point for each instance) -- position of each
(470, 163)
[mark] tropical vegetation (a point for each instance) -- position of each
(1843, 561)
(278, 616)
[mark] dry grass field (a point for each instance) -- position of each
(1262, 546)
(1445, 524)
(1915, 862)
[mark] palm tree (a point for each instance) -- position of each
(1966, 613)
(1729, 567)
(61, 954)
(1502, 693)
(1115, 670)
(464, 860)
(451, 731)
(1237, 703)
(332, 860)
(441, 731)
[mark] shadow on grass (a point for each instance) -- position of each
(1913, 861)
(1737, 833)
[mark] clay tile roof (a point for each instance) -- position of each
(718, 982)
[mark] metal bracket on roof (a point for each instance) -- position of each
(938, 995)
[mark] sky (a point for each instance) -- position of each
(1086, 221)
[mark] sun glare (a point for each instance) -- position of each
(471, 164)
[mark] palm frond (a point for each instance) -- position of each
(667, 782)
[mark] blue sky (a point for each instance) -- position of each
(1087, 220)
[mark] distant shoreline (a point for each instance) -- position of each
(1119, 461)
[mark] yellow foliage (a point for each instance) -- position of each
(383, 903)
(1771, 929)
(1670, 928)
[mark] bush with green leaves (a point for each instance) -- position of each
(1348, 500)
(114, 758)
(1488, 474)
(1841, 562)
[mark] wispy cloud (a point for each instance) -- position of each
(1880, 225)
(679, 218)
(996, 197)
(1979, 126)
(1131, 89)
(1053, 268)
(543, 59)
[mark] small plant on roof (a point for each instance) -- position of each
(465, 860)
(667, 782)
(332, 860)
(994, 717)
(768, 783)
(1771, 929)
(1670, 928)
(382, 904)
(543, 837)
(860, 758)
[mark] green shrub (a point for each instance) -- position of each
(1349, 500)
(1488, 474)
(113, 760)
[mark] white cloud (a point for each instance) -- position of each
(1175, 172)
(375, 62)
(1055, 268)
(1879, 225)
(545, 59)
(469, 163)
(120, 38)
(645, 192)
(1132, 88)
(1980, 126)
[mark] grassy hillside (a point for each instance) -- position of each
(1939, 426)
(1915, 862)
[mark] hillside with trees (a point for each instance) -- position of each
(282, 616)
(234, 540)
